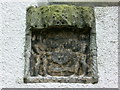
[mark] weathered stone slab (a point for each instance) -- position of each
(61, 44)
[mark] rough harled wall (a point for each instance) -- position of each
(12, 41)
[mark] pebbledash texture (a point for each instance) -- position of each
(60, 44)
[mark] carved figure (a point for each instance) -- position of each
(84, 64)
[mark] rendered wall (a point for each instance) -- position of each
(12, 41)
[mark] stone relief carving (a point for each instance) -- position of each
(60, 44)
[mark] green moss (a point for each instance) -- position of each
(51, 15)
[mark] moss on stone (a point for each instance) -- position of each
(52, 15)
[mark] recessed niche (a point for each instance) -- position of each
(60, 45)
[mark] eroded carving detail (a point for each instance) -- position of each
(60, 52)
(62, 44)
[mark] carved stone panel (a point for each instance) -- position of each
(60, 44)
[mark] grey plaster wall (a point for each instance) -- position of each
(12, 41)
